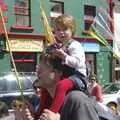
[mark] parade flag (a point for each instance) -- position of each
(102, 31)
(101, 39)
(48, 31)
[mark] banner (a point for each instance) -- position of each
(28, 45)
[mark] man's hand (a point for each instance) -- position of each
(49, 115)
(28, 115)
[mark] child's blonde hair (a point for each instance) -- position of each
(66, 21)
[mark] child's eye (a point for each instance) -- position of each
(65, 29)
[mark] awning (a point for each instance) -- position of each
(91, 47)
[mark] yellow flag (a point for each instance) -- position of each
(49, 35)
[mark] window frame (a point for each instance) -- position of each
(28, 14)
(22, 60)
(62, 8)
(88, 17)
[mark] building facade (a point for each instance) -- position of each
(26, 34)
(116, 15)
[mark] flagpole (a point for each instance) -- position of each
(11, 55)
(49, 35)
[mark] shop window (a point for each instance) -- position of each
(89, 14)
(25, 62)
(90, 63)
(117, 62)
(117, 70)
(22, 10)
(117, 75)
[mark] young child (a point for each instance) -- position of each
(71, 55)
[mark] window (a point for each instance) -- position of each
(117, 69)
(117, 62)
(90, 63)
(25, 61)
(89, 14)
(87, 25)
(22, 12)
(57, 8)
(90, 10)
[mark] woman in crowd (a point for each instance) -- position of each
(96, 89)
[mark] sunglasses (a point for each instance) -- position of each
(36, 87)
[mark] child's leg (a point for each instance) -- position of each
(62, 88)
(79, 82)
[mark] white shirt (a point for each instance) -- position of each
(76, 57)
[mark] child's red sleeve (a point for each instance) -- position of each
(62, 87)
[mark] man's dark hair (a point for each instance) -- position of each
(57, 65)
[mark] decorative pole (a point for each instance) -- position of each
(10, 52)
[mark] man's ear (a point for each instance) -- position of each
(52, 75)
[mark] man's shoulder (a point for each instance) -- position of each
(76, 96)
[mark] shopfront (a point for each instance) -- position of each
(91, 49)
(25, 53)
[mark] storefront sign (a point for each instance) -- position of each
(28, 45)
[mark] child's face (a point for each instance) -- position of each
(63, 34)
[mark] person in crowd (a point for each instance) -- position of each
(118, 106)
(4, 113)
(76, 104)
(96, 89)
(71, 54)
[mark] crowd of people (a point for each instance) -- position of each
(61, 85)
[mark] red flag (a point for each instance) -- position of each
(2, 30)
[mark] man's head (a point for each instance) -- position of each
(64, 27)
(48, 71)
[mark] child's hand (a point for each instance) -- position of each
(49, 115)
(59, 53)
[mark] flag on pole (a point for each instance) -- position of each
(48, 32)
(100, 30)
(101, 39)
